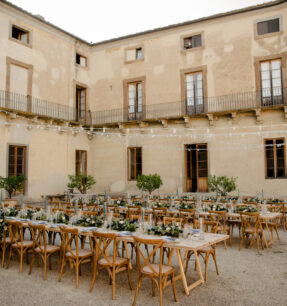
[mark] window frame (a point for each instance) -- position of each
(135, 162)
(275, 158)
(78, 105)
(22, 28)
(79, 161)
(135, 48)
(183, 73)
(183, 37)
(257, 36)
(81, 56)
(25, 163)
(138, 115)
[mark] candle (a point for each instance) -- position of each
(105, 211)
(143, 215)
(200, 224)
(76, 207)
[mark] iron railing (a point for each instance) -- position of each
(226, 103)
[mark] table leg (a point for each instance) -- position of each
(182, 274)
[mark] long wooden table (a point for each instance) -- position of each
(192, 244)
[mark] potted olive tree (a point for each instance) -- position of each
(222, 185)
(12, 184)
(81, 182)
(149, 183)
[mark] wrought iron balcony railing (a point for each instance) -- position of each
(220, 104)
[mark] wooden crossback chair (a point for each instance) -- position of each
(41, 248)
(251, 226)
(158, 214)
(221, 227)
(171, 220)
(273, 225)
(188, 215)
(94, 207)
(113, 264)
(134, 210)
(5, 242)
(23, 247)
(76, 256)
(158, 273)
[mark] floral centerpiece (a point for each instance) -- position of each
(162, 230)
(248, 209)
(187, 206)
(120, 202)
(90, 221)
(216, 207)
(61, 217)
(124, 225)
(275, 201)
(3, 223)
(11, 212)
(253, 200)
(26, 214)
(40, 216)
(160, 205)
(137, 203)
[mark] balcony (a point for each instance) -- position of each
(31, 106)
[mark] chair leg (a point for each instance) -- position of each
(21, 261)
(173, 287)
(153, 287)
(62, 268)
(160, 292)
(45, 266)
(32, 263)
(129, 277)
(215, 262)
(77, 274)
(137, 289)
(206, 262)
(114, 284)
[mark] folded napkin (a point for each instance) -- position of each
(10, 218)
(39, 222)
(125, 234)
(88, 229)
(169, 239)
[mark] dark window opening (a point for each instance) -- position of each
(269, 26)
(275, 158)
(192, 42)
(134, 163)
(20, 34)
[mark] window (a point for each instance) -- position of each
(17, 160)
(135, 100)
(133, 54)
(81, 162)
(271, 82)
(194, 92)
(20, 34)
(192, 42)
(275, 158)
(139, 53)
(134, 162)
(80, 103)
(81, 60)
(268, 26)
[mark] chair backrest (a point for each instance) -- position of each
(16, 232)
(89, 213)
(134, 210)
(147, 260)
(69, 235)
(39, 238)
(55, 209)
(102, 243)
(69, 212)
(188, 215)
(250, 220)
(93, 207)
(112, 207)
(218, 216)
(169, 220)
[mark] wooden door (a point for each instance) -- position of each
(196, 170)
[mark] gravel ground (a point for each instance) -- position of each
(246, 278)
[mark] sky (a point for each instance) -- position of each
(98, 20)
